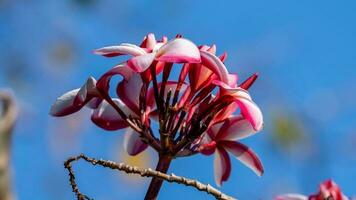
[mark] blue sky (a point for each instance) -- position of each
(303, 50)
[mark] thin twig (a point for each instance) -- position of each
(75, 189)
(142, 172)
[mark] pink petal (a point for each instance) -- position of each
(225, 89)
(88, 89)
(74, 100)
(129, 91)
(179, 50)
(207, 148)
(248, 108)
(106, 117)
(64, 104)
(141, 63)
(250, 111)
(225, 112)
(205, 139)
(329, 189)
(164, 39)
(211, 49)
(232, 91)
(245, 155)
(146, 75)
(214, 64)
(236, 128)
(224, 86)
(144, 42)
(149, 42)
(222, 166)
(158, 46)
(223, 57)
(214, 129)
(291, 197)
(204, 48)
(122, 69)
(133, 144)
(232, 80)
(199, 76)
(122, 49)
(94, 103)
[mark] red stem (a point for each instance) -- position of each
(155, 185)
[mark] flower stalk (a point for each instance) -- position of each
(163, 164)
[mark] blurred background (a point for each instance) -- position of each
(304, 51)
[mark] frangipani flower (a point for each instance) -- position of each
(194, 110)
(221, 138)
(328, 190)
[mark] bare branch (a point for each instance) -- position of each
(75, 188)
(142, 172)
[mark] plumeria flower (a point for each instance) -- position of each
(194, 110)
(221, 138)
(328, 190)
(222, 135)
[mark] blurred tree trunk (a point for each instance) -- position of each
(8, 113)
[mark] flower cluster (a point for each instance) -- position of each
(328, 190)
(195, 112)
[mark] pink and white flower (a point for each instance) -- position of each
(222, 138)
(195, 111)
(327, 190)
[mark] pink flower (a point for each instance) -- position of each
(327, 190)
(194, 109)
(221, 138)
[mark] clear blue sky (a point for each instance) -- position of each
(304, 51)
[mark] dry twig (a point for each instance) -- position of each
(142, 172)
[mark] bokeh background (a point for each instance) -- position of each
(304, 51)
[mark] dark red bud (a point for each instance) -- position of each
(223, 57)
(179, 36)
(249, 81)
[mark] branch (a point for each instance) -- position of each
(142, 172)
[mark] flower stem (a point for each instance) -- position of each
(156, 183)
